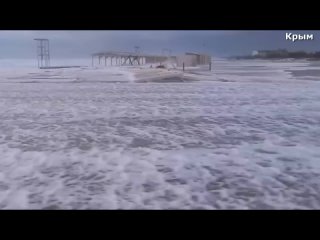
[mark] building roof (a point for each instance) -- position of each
(124, 54)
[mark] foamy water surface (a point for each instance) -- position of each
(94, 139)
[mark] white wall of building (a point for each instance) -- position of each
(188, 60)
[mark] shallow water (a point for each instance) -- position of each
(197, 145)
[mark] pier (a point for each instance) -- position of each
(126, 58)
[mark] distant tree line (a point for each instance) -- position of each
(281, 54)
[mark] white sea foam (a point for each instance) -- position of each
(83, 141)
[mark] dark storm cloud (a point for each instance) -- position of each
(68, 44)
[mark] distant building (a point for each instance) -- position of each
(193, 59)
(255, 53)
(270, 53)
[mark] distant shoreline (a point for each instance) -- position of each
(274, 58)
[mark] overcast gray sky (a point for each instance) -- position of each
(74, 44)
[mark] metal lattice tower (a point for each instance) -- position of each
(43, 52)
